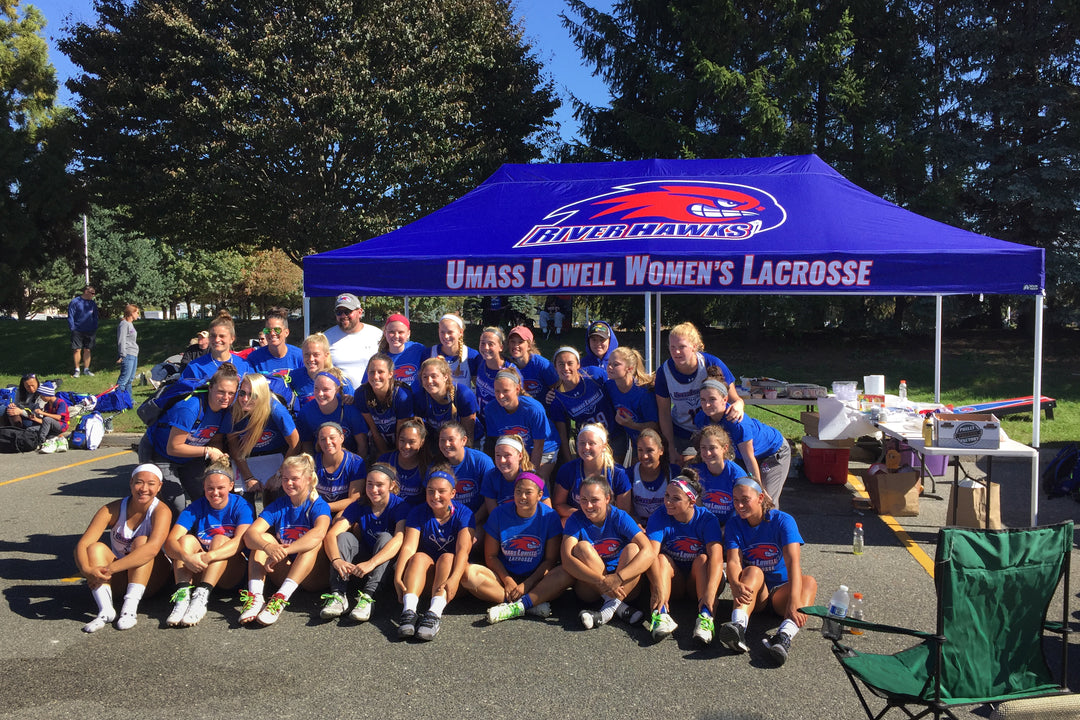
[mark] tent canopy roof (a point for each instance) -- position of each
(784, 225)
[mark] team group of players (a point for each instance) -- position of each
(446, 468)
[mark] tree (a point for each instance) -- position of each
(269, 279)
(38, 197)
(300, 126)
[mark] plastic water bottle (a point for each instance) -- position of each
(838, 606)
(858, 540)
(903, 391)
(857, 611)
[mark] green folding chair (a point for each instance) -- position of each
(994, 589)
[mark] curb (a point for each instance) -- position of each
(121, 440)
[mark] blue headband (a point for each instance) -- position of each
(750, 483)
(331, 376)
(444, 475)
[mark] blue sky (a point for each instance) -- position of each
(540, 18)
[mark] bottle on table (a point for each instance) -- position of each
(858, 540)
(838, 607)
(903, 391)
(928, 432)
(857, 611)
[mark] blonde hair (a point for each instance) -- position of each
(323, 342)
(689, 331)
(260, 413)
(306, 465)
(633, 359)
(222, 466)
(460, 350)
(607, 457)
(525, 465)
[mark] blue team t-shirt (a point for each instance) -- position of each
(538, 375)
(370, 525)
(585, 403)
(767, 439)
(289, 523)
(609, 538)
(683, 542)
(206, 366)
(348, 417)
(469, 474)
(194, 416)
(263, 362)
(437, 538)
(495, 486)
(279, 426)
(410, 481)
(522, 541)
(303, 386)
(204, 522)
(386, 418)
(335, 486)
(571, 474)
(639, 401)
(685, 397)
(434, 414)
(716, 490)
(764, 545)
(529, 421)
(407, 362)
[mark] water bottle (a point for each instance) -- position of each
(903, 391)
(857, 541)
(857, 612)
(838, 606)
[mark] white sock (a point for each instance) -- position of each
(438, 604)
(609, 608)
(131, 599)
(102, 595)
(789, 628)
(256, 587)
(288, 588)
(739, 617)
(411, 601)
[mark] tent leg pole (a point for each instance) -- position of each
(648, 333)
(1036, 409)
(307, 316)
(407, 307)
(938, 305)
(659, 325)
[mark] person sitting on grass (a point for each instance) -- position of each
(764, 570)
(52, 418)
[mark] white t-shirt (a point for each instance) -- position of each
(351, 351)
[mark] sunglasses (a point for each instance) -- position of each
(276, 331)
(344, 311)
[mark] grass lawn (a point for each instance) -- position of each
(977, 365)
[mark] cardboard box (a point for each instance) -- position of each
(824, 464)
(810, 422)
(967, 431)
(895, 494)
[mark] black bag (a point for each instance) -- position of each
(19, 440)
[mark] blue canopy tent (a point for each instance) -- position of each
(785, 225)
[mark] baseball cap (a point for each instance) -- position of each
(523, 332)
(203, 333)
(601, 329)
(347, 301)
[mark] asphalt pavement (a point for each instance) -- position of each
(305, 668)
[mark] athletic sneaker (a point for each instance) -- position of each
(334, 606)
(180, 599)
(661, 625)
(87, 373)
(253, 605)
(197, 608)
(505, 611)
(590, 619)
(99, 622)
(61, 444)
(428, 627)
(272, 611)
(778, 646)
(733, 636)
(126, 621)
(48, 447)
(361, 612)
(406, 624)
(76, 373)
(629, 614)
(540, 610)
(703, 628)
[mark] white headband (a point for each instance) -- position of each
(451, 316)
(567, 348)
(594, 427)
(512, 442)
(150, 468)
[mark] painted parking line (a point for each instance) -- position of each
(65, 467)
(910, 545)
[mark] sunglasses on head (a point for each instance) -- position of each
(275, 330)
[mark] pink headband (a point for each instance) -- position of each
(685, 487)
(398, 317)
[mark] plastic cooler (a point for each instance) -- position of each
(935, 464)
(823, 463)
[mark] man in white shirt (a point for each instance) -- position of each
(352, 343)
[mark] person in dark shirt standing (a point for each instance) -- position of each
(83, 322)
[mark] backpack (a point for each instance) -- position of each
(1062, 476)
(18, 440)
(89, 432)
(167, 395)
(114, 400)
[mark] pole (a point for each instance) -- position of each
(86, 249)
(938, 314)
(648, 333)
(407, 307)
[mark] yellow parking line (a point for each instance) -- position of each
(912, 547)
(65, 467)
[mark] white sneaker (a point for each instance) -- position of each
(361, 612)
(61, 444)
(76, 373)
(197, 608)
(126, 621)
(333, 606)
(87, 372)
(253, 605)
(181, 600)
(661, 625)
(48, 447)
(99, 622)
(272, 611)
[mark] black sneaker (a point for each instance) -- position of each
(406, 624)
(778, 646)
(629, 614)
(733, 636)
(428, 627)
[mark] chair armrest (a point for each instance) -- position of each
(823, 612)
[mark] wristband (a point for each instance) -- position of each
(206, 453)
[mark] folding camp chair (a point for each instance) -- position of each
(994, 589)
